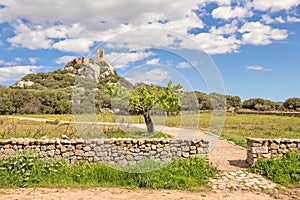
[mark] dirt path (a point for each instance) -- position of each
(224, 154)
(228, 156)
(119, 193)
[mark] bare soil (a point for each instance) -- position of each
(119, 193)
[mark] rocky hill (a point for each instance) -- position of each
(51, 92)
(99, 71)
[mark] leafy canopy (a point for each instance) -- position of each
(145, 98)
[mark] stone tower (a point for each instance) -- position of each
(99, 55)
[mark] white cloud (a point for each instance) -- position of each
(293, 19)
(2, 62)
(154, 76)
(29, 37)
(82, 20)
(16, 72)
(214, 43)
(229, 12)
(274, 5)
(279, 19)
(49, 25)
(257, 68)
(226, 29)
(91, 12)
(219, 2)
(64, 59)
(33, 60)
(121, 60)
(17, 59)
(268, 20)
(153, 61)
(259, 34)
(183, 65)
(80, 45)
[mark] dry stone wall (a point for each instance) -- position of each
(267, 148)
(111, 151)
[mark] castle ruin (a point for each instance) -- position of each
(99, 55)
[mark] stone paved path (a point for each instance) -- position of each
(230, 159)
(241, 180)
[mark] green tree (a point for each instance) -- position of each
(218, 101)
(259, 104)
(145, 98)
(6, 106)
(204, 101)
(292, 103)
(233, 101)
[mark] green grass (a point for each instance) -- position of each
(236, 127)
(25, 170)
(239, 127)
(135, 133)
(283, 170)
(14, 128)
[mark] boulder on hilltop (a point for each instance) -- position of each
(87, 68)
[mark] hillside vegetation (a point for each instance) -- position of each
(51, 93)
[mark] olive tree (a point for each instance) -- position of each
(292, 103)
(145, 98)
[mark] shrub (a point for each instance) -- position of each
(284, 170)
(25, 170)
(259, 104)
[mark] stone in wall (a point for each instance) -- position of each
(113, 151)
(267, 148)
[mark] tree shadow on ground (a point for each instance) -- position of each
(239, 163)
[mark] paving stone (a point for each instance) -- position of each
(241, 180)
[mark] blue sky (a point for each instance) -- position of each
(251, 47)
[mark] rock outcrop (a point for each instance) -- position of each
(83, 67)
(23, 84)
(88, 68)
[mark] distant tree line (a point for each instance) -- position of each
(59, 101)
(53, 93)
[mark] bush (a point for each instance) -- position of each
(259, 104)
(284, 170)
(25, 170)
(292, 103)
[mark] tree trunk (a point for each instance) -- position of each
(149, 123)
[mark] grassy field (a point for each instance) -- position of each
(236, 127)
(15, 127)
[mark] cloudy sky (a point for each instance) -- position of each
(254, 44)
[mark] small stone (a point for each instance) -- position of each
(50, 147)
(5, 141)
(129, 158)
(185, 154)
(91, 153)
(274, 146)
(9, 151)
(79, 152)
(101, 154)
(87, 148)
(232, 173)
(193, 148)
